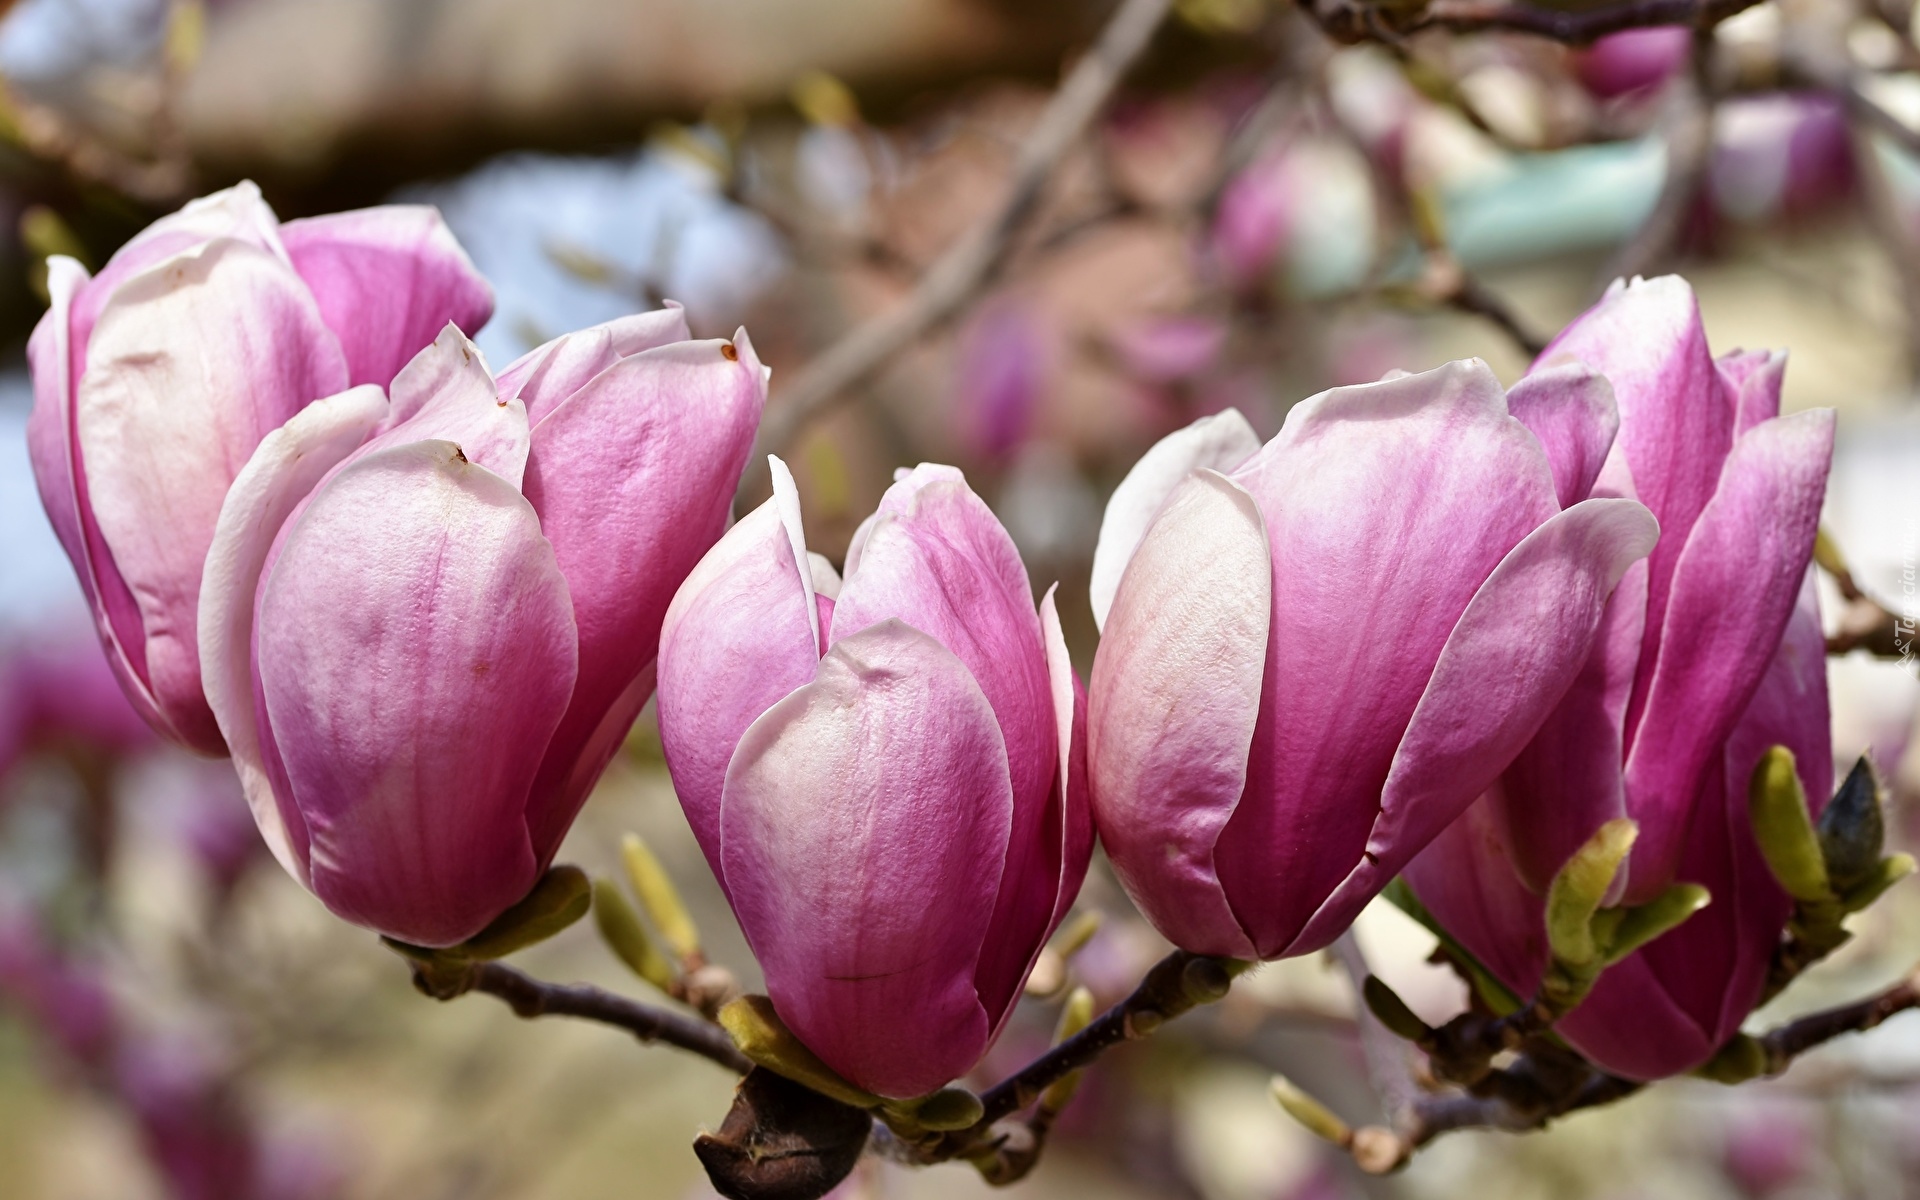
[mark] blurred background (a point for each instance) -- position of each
(941, 258)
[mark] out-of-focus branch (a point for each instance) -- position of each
(1689, 146)
(1358, 21)
(971, 263)
(529, 997)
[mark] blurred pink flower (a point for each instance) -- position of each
(1633, 60)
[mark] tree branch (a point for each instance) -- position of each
(529, 997)
(973, 261)
(1358, 21)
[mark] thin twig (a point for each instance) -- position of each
(1689, 147)
(530, 997)
(971, 263)
(1795, 1038)
(1359, 21)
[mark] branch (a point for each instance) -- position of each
(1795, 1038)
(1354, 21)
(972, 262)
(1175, 984)
(1689, 146)
(529, 997)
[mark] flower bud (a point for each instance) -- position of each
(427, 625)
(1710, 655)
(155, 380)
(1294, 691)
(882, 772)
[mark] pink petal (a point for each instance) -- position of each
(1032, 904)
(416, 652)
(446, 394)
(863, 834)
(1387, 506)
(938, 559)
(633, 478)
(1754, 377)
(735, 640)
(1570, 778)
(1518, 647)
(54, 454)
(1733, 590)
(1570, 408)
(287, 466)
(1170, 713)
(387, 279)
(1220, 442)
(166, 417)
(549, 373)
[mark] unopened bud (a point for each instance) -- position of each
(949, 1108)
(1391, 1011)
(1781, 825)
(1317, 1117)
(620, 928)
(1579, 888)
(659, 897)
(1891, 870)
(1851, 829)
(1644, 922)
(1205, 980)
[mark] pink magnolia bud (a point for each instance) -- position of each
(423, 646)
(1633, 60)
(1780, 155)
(1256, 216)
(1316, 660)
(883, 773)
(154, 381)
(1710, 653)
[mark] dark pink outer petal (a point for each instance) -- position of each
(53, 449)
(166, 417)
(1732, 593)
(1677, 415)
(1570, 408)
(863, 835)
(1570, 779)
(387, 279)
(1386, 506)
(288, 464)
(735, 640)
(1172, 706)
(633, 478)
(938, 559)
(415, 653)
(1523, 639)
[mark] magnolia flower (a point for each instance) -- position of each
(1709, 653)
(154, 381)
(1313, 662)
(883, 773)
(427, 625)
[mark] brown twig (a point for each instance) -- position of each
(529, 997)
(1175, 984)
(972, 262)
(1358, 21)
(1795, 1038)
(1689, 146)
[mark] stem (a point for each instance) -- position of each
(972, 262)
(1795, 1038)
(529, 997)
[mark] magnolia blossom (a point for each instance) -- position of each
(1710, 652)
(1314, 661)
(427, 624)
(154, 381)
(883, 772)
